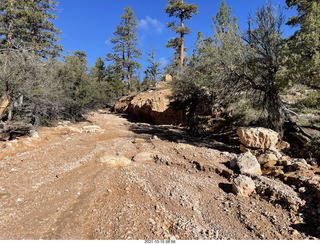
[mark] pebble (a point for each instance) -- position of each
(4, 195)
(295, 232)
(302, 189)
(172, 238)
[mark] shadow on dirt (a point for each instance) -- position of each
(227, 188)
(180, 134)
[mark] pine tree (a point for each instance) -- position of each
(125, 50)
(99, 70)
(183, 11)
(27, 24)
(305, 42)
(153, 70)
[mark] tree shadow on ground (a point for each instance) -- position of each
(180, 134)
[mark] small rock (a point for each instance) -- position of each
(138, 140)
(270, 164)
(4, 195)
(172, 238)
(295, 232)
(115, 161)
(154, 137)
(248, 164)
(243, 185)
(8, 144)
(34, 134)
(302, 189)
(145, 157)
(267, 157)
(91, 129)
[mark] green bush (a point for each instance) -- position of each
(313, 146)
(313, 100)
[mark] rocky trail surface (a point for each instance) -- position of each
(110, 178)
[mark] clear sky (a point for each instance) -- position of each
(87, 25)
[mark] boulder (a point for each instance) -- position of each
(151, 107)
(115, 161)
(247, 163)
(258, 138)
(243, 185)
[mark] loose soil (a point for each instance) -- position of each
(56, 187)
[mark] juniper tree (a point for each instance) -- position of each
(183, 11)
(125, 50)
(265, 62)
(28, 24)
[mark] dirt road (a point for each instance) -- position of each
(57, 187)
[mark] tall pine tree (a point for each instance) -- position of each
(183, 11)
(125, 52)
(99, 70)
(28, 24)
(305, 42)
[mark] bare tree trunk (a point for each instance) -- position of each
(122, 65)
(181, 49)
(10, 26)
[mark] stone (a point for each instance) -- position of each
(244, 149)
(243, 185)
(267, 157)
(283, 145)
(4, 195)
(34, 134)
(115, 161)
(7, 144)
(258, 138)
(91, 129)
(302, 189)
(270, 164)
(277, 190)
(247, 163)
(146, 157)
(139, 140)
(276, 152)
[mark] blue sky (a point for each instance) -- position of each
(87, 25)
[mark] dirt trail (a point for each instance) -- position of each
(56, 187)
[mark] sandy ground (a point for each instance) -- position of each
(57, 187)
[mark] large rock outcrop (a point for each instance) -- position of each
(152, 107)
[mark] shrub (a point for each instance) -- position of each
(313, 146)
